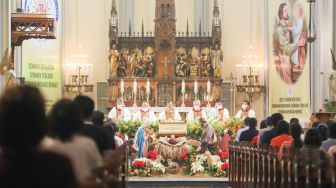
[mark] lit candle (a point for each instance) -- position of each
(183, 87)
(195, 87)
(148, 86)
(122, 86)
(208, 86)
(135, 87)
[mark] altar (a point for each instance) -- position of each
(165, 66)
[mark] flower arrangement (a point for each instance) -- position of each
(129, 128)
(194, 130)
(153, 154)
(329, 106)
(232, 126)
(182, 159)
(145, 167)
(219, 126)
(140, 167)
(201, 165)
(154, 127)
(220, 169)
(224, 155)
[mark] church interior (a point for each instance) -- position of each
(168, 93)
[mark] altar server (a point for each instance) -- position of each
(196, 112)
(245, 111)
(169, 114)
(219, 112)
(144, 113)
(119, 112)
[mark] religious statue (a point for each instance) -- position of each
(246, 111)
(194, 62)
(196, 112)
(148, 62)
(134, 62)
(114, 57)
(141, 139)
(123, 63)
(219, 112)
(182, 67)
(144, 113)
(169, 114)
(217, 59)
(206, 67)
(119, 112)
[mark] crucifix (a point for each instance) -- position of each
(231, 79)
(165, 61)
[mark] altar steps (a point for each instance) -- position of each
(178, 182)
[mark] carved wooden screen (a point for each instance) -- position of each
(165, 94)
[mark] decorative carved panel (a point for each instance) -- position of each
(165, 94)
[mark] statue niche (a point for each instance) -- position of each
(182, 68)
(136, 64)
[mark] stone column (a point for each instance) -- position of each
(321, 63)
(4, 34)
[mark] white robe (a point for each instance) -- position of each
(225, 114)
(151, 118)
(125, 114)
(251, 114)
(190, 115)
(162, 116)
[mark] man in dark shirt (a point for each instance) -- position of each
(251, 132)
(270, 134)
(96, 133)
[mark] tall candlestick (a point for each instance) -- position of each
(135, 86)
(195, 87)
(183, 87)
(147, 87)
(208, 86)
(122, 86)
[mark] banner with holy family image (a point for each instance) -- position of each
(289, 83)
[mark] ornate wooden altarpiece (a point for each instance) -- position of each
(165, 58)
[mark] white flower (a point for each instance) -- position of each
(196, 167)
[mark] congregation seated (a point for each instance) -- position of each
(246, 121)
(269, 126)
(95, 132)
(66, 123)
(282, 129)
(331, 141)
(270, 134)
(295, 131)
(323, 132)
(23, 124)
(251, 132)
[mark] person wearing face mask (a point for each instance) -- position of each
(245, 111)
(219, 112)
(169, 114)
(196, 112)
(119, 112)
(144, 113)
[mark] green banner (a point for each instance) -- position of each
(41, 58)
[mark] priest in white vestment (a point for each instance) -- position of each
(119, 112)
(219, 112)
(144, 113)
(169, 114)
(245, 111)
(196, 112)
